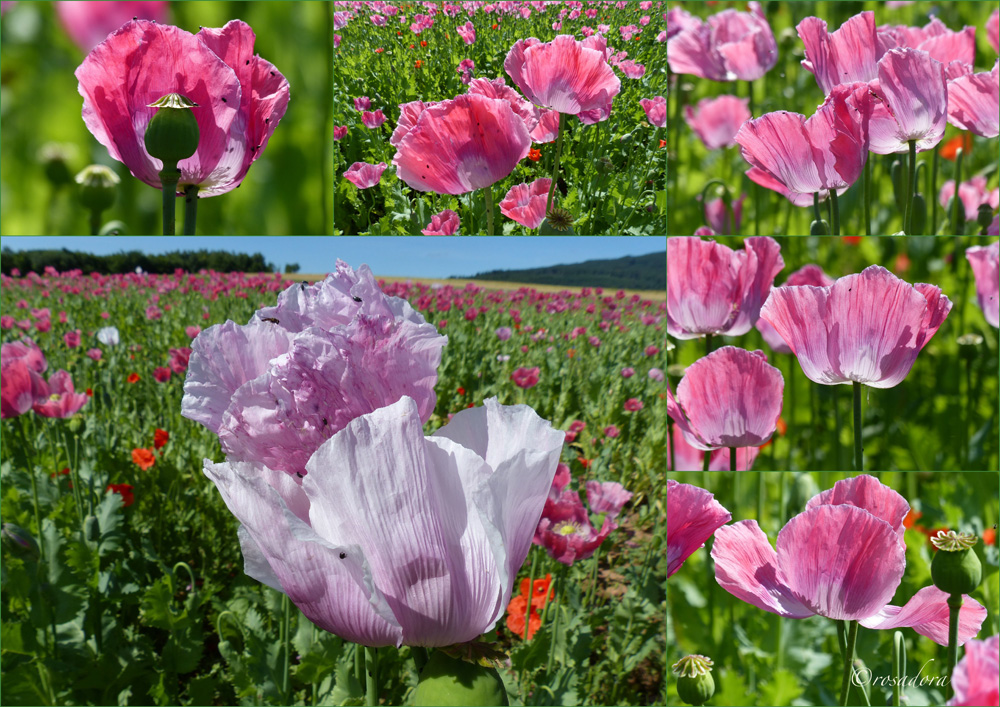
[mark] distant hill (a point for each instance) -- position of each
(633, 272)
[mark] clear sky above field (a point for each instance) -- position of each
(420, 256)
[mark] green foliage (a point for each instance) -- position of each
(126, 262)
(640, 272)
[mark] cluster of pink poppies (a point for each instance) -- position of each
(24, 389)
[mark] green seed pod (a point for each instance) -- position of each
(98, 187)
(956, 568)
(695, 684)
(985, 217)
(447, 681)
(558, 223)
(55, 158)
(819, 228)
(172, 135)
(18, 540)
(919, 219)
(92, 528)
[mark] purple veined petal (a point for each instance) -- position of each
(693, 515)
(840, 561)
(336, 593)
(927, 614)
(869, 493)
(607, 497)
(746, 566)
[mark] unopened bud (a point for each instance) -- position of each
(18, 540)
(985, 216)
(55, 158)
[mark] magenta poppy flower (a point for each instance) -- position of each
(565, 75)
(631, 69)
(408, 114)
(527, 112)
(687, 458)
(547, 129)
(972, 193)
(866, 328)
(811, 275)
(241, 98)
(974, 102)
(847, 55)
(364, 175)
(977, 674)
(911, 102)
(372, 119)
(467, 32)
(362, 103)
(842, 558)
(525, 377)
(656, 110)
(275, 389)
(525, 203)
(445, 223)
(180, 357)
(716, 120)
(993, 30)
(730, 398)
(934, 38)
(730, 46)
(339, 131)
(808, 155)
(20, 387)
(89, 23)
(985, 263)
(58, 398)
(25, 350)
(461, 145)
(394, 538)
(712, 289)
(720, 218)
(693, 515)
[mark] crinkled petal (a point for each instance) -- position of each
(869, 493)
(974, 103)
(927, 614)
(693, 515)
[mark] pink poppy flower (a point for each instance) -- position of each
(811, 275)
(565, 530)
(467, 32)
(356, 514)
(993, 30)
(525, 203)
(730, 398)
(179, 359)
(934, 38)
(377, 20)
(712, 289)
(807, 155)
(504, 333)
(985, 262)
(693, 515)
(339, 131)
(372, 120)
(362, 103)
(89, 23)
(525, 377)
(408, 115)
(460, 145)
(972, 193)
(72, 338)
(719, 217)
(656, 110)
(58, 398)
(336, 40)
(662, 36)
(631, 69)
(911, 102)
(974, 102)
(95, 354)
(241, 98)
(364, 175)
(192, 331)
(547, 129)
(527, 112)
(977, 674)
(25, 350)
(687, 458)
(161, 374)
(867, 327)
(716, 120)
(842, 558)
(20, 387)
(730, 46)
(704, 231)
(564, 74)
(328, 353)
(445, 223)
(848, 55)
(632, 405)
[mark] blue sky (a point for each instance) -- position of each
(419, 256)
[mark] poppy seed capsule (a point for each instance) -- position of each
(98, 187)
(452, 681)
(956, 568)
(695, 684)
(819, 228)
(172, 135)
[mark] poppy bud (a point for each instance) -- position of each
(98, 187)
(819, 228)
(18, 540)
(985, 217)
(968, 345)
(55, 158)
(172, 135)
(695, 684)
(92, 528)
(452, 681)
(918, 223)
(956, 568)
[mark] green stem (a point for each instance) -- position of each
(957, 209)
(852, 637)
(836, 212)
(859, 463)
(816, 213)
(954, 605)
(932, 194)
(898, 667)
(190, 208)
(95, 222)
(706, 461)
(286, 624)
(732, 459)
(593, 579)
(868, 195)
(553, 639)
(371, 676)
(708, 344)
(168, 183)
(911, 189)
(968, 411)
(555, 168)
(489, 209)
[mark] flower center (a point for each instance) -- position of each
(567, 527)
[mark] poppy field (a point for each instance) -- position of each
(506, 118)
(826, 353)
(827, 588)
(796, 118)
(180, 529)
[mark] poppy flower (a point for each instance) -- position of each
(364, 175)
(714, 120)
(809, 155)
(180, 356)
(729, 46)
(565, 75)
(89, 23)
(530, 114)
(339, 131)
(712, 289)
(240, 98)
(867, 327)
(517, 612)
(125, 491)
(160, 438)
(362, 103)
(985, 263)
(911, 102)
(842, 558)
(525, 203)
(973, 194)
(723, 220)
(108, 336)
(935, 38)
(20, 387)
(811, 275)
(438, 525)
(534, 155)
(26, 351)
(445, 223)
(977, 674)
(57, 397)
(525, 377)
(974, 102)
(848, 55)
(633, 405)
(161, 374)
(461, 145)
(993, 30)
(693, 515)
(143, 458)
(656, 110)
(133, 378)
(730, 398)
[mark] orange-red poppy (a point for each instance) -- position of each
(160, 438)
(534, 155)
(143, 458)
(949, 149)
(419, 63)
(133, 378)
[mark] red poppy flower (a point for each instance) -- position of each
(911, 516)
(990, 536)
(64, 472)
(89, 392)
(126, 492)
(161, 374)
(143, 458)
(419, 63)
(534, 155)
(517, 611)
(663, 143)
(950, 148)
(461, 391)
(160, 438)
(423, 43)
(133, 378)
(852, 240)
(379, 50)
